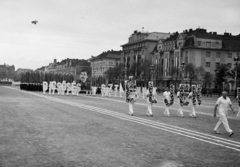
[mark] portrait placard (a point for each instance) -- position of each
(84, 77)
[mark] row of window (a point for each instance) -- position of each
(229, 55)
(133, 46)
(101, 69)
(209, 44)
(208, 64)
(103, 63)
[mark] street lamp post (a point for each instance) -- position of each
(183, 68)
(125, 75)
(152, 71)
(219, 88)
(236, 59)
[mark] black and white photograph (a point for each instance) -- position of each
(119, 83)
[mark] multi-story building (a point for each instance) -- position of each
(7, 72)
(103, 62)
(140, 46)
(199, 47)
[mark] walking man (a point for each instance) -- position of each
(223, 103)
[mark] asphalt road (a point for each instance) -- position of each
(43, 130)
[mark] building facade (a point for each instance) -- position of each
(103, 62)
(139, 49)
(199, 47)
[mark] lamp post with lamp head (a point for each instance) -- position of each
(183, 69)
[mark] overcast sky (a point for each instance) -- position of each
(81, 28)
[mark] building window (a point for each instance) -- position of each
(217, 44)
(180, 44)
(208, 54)
(208, 44)
(208, 64)
(229, 65)
(217, 64)
(230, 55)
(199, 43)
(218, 55)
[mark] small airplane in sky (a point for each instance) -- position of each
(34, 22)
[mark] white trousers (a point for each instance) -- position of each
(192, 112)
(166, 111)
(223, 120)
(180, 111)
(130, 108)
(149, 111)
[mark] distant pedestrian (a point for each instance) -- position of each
(208, 93)
(223, 103)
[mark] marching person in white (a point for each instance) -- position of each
(180, 109)
(131, 93)
(193, 95)
(150, 98)
(223, 103)
(166, 96)
(192, 111)
(149, 109)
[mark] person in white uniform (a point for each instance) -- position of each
(150, 98)
(131, 93)
(166, 98)
(223, 103)
(192, 95)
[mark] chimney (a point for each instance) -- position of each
(135, 32)
(190, 30)
(226, 34)
(54, 61)
(214, 33)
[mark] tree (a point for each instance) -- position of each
(194, 72)
(222, 71)
(232, 73)
(114, 73)
(176, 71)
(207, 79)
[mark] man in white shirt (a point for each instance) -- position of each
(223, 103)
(166, 96)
